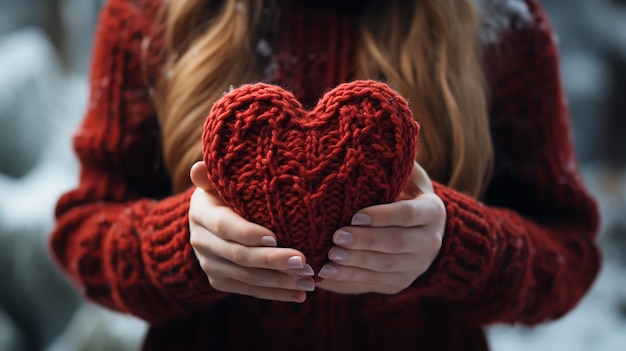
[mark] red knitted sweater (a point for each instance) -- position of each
(524, 254)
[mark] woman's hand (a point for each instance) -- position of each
(239, 256)
(388, 246)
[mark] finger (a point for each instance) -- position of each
(225, 223)
(360, 275)
(423, 210)
(372, 260)
(279, 259)
(274, 294)
(230, 226)
(389, 240)
(199, 178)
(260, 277)
(419, 183)
(420, 178)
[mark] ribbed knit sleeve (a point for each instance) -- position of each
(118, 235)
(528, 253)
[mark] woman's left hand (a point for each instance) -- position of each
(388, 246)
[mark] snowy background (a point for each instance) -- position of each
(44, 55)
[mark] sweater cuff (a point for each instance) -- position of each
(169, 257)
(467, 251)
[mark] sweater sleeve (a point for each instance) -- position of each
(118, 235)
(526, 254)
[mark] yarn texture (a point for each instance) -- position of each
(523, 253)
(305, 174)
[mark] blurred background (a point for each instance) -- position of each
(45, 48)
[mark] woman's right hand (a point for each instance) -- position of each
(239, 256)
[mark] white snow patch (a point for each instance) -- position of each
(608, 21)
(10, 337)
(596, 324)
(94, 328)
(39, 111)
(584, 74)
(29, 72)
(500, 16)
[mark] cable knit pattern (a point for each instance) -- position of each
(122, 246)
(539, 246)
(524, 253)
(330, 57)
(305, 174)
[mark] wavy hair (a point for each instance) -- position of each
(427, 50)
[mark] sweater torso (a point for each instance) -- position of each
(124, 237)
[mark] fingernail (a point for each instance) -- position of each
(361, 219)
(343, 238)
(328, 271)
(339, 255)
(307, 271)
(295, 262)
(305, 284)
(268, 241)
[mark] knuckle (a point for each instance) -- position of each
(349, 274)
(218, 284)
(194, 238)
(361, 259)
(247, 277)
(389, 263)
(206, 267)
(274, 259)
(361, 276)
(434, 242)
(369, 277)
(198, 239)
(400, 241)
(423, 263)
(412, 214)
(441, 208)
(193, 213)
(369, 241)
(268, 260)
(220, 223)
(193, 202)
(438, 207)
(386, 217)
(285, 282)
(243, 233)
(238, 255)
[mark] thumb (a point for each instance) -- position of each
(419, 183)
(199, 178)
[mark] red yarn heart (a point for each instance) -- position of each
(305, 174)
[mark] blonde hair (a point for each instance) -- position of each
(427, 50)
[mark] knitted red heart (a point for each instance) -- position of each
(305, 174)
